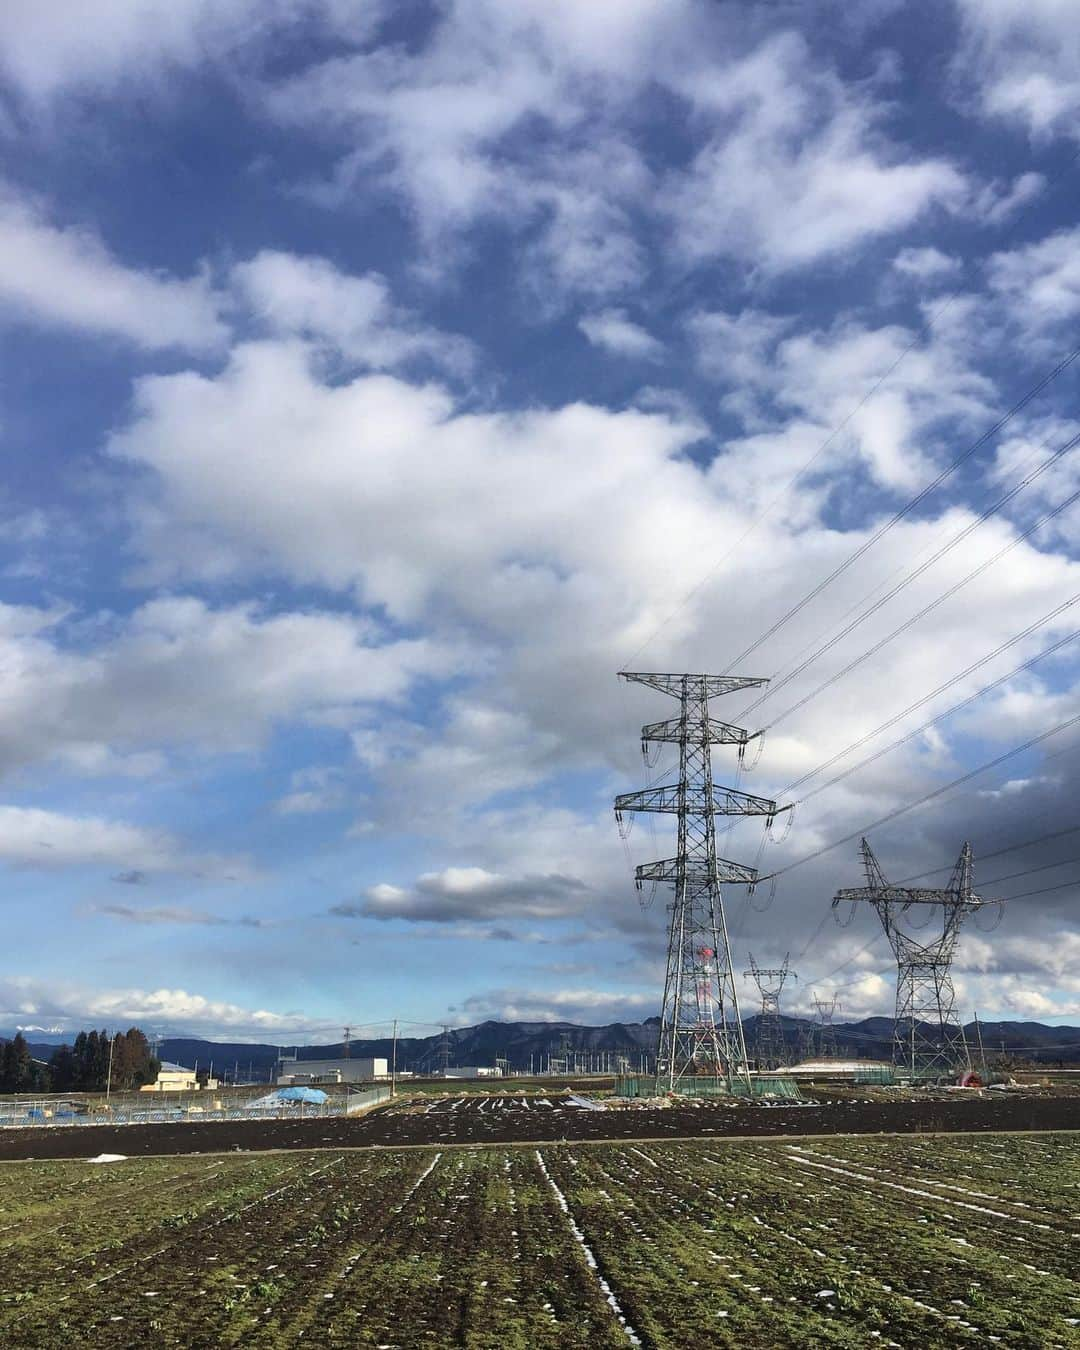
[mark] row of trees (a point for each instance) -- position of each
(82, 1067)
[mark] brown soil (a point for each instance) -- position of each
(494, 1120)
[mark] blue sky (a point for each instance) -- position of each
(376, 381)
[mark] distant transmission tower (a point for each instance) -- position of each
(700, 1028)
(346, 1044)
(827, 1032)
(926, 1039)
(771, 1049)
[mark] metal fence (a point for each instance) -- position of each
(702, 1085)
(45, 1113)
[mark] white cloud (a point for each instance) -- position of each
(385, 493)
(1039, 283)
(180, 675)
(353, 315)
(561, 1005)
(586, 529)
(53, 48)
(800, 173)
(165, 1011)
(66, 277)
(1022, 59)
(525, 115)
(888, 392)
(614, 332)
(926, 264)
(31, 837)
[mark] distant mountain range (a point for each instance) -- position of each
(533, 1044)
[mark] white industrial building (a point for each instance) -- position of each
(470, 1071)
(353, 1070)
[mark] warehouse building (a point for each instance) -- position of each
(353, 1070)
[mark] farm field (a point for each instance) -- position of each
(494, 1118)
(848, 1242)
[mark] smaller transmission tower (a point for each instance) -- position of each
(346, 1044)
(771, 1049)
(826, 1031)
(926, 1039)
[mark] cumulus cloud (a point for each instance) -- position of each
(926, 264)
(612, 330)
(178, 673)
(64, 276)
(354, 316)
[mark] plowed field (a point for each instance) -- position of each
(848, 1242)
(494, 1119)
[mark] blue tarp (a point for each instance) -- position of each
(313, 1096)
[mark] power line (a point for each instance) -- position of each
(939, 717)
(955, 541)
(1045, 890)
(930, 796)
(926, 609)
(797, 477)
(915, 501)
(1042, 867)
(998, 853)
(941, 689)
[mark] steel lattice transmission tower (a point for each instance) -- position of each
(700, 1028)
(771, 1049)
(827, 1033)
(926, 1040)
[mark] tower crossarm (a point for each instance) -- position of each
(696, 800)
(868, 893)
(673, 730)
(909, 895)
(697, 871)
(710, 686)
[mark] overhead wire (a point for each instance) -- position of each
(944, 688)
(937, 792)
(958, 538)
(997, 853)
(941, 716)
(926, 609)
(909, 506)
(927, 328)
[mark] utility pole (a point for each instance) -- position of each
(108, 1080)
(393, 1063)
(701, 1031)
(771, 1050)
(927, 1042)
